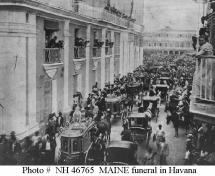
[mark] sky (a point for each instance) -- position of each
(178, 14)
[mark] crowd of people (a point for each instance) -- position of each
(178, 97)
(45, 149)
(53, 42)
(35, 149)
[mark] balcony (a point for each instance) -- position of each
(79, 52)
(96, 52)
(203, 92)
(100, 14)
(52, 55)
(52, 61)
(136, 27)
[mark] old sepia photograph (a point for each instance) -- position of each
(107, 82)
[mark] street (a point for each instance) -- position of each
(176, 145)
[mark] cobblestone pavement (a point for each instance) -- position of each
(176, 145)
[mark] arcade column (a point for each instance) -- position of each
(103, 58)
(66, 66)
(112, 59)
(88, 56)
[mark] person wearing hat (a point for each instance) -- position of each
(60, 120)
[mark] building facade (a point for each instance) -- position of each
(203, 92)
(37, 78)
(168, 41)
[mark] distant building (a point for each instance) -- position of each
(168, 41)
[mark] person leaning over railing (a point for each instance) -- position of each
(205, 49)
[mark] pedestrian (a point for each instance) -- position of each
(159, 135)
(175, 120)
(163, 151)
(38, 152)
(60, 120)
(57, 148)
(125, 123)
(48, 151)
(149, 157)
(28, 151)
(35, 138)
(14, 148)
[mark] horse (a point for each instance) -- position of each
(104, 128)
(95, 154)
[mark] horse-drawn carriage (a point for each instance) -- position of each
(163, 88)
(115, 105)
(76, 140)
(153, 101)
(121, 153)
(138, 124)
(84, 142)
(133, 89)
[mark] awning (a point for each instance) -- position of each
(51, 25)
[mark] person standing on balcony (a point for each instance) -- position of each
(52, 43)
(205, 49)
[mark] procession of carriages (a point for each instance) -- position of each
(89, 142)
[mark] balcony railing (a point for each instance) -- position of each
(96, 52)
(52, 55)
(204, 79)
(100, 14)
(108, 50)
(79, 52)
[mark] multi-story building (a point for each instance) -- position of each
(203, 92)
(168, 41)
(38, 78)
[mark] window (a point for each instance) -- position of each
(95, 34)
(27, 17)
(75, 146)
(77, 32)
(65, 144)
